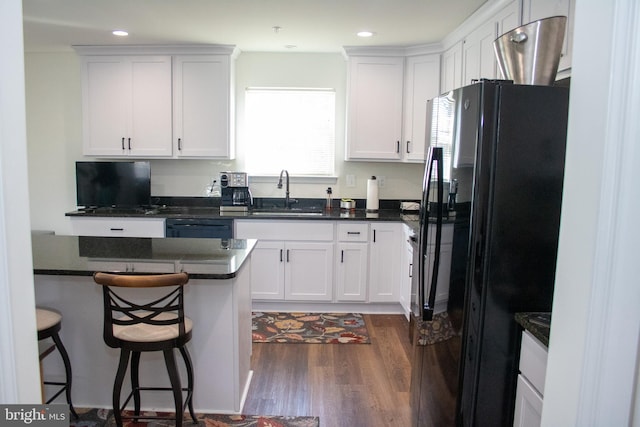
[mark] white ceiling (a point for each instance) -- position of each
(310, 25)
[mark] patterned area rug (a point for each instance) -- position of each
(104, 418)
(437, 330)
(310, 328)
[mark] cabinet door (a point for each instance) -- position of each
(105, 105)
(451, 77)
(351, 271)
(267, 270)
(528, 411)
(201, 113)
(422, 82)
(444, 274)
(374, 108)
(405, 279)
(385, 254)
(533, 10)
(126, 105)
(478, 54)
(150, 129)
(309, 271)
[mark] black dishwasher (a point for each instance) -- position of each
(219, 228)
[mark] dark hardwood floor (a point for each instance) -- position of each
(346, 385)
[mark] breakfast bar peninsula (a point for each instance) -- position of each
(217, 299)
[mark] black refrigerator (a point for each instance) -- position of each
(494, 173)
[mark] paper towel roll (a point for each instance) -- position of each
(372, 194)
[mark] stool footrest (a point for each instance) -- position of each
(58, 393)
(124, 405)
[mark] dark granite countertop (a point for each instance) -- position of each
(214, 213)
(538, 324)
(82, 256)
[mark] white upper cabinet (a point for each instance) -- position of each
(202, 106)
(477, 54)
(533, 10)
(126, 105)
(374, 110)
(422, 82)
(157, 101)
(451, 73)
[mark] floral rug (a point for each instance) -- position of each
(104, 418)
(436, 330)
(310, 328)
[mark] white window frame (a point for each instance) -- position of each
(282, 134)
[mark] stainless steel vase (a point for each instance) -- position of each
(530, 54)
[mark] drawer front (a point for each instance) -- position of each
(533, 361)
(353, 232)
(118, 227)
(285, 230)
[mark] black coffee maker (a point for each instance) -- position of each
(236, 196)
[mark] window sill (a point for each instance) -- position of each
(300, 179)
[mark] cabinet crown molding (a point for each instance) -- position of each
(204, 49)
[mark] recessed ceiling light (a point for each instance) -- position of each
(120, 33)
(364, 34)
(290, 46)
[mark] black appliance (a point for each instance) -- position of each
(495, 167)
(218, 228)
(236, 196)
(113, 184)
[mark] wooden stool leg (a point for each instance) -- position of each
(117, 385)
(172, 369)
(135, 381)
(189, 401)
(67, 369)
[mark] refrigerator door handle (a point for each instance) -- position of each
(428, 304)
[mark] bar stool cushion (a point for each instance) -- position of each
(142, 332)
(46, 319)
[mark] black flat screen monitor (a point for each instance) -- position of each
(113, 184)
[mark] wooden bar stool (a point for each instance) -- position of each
(49, 323)
(155, 324)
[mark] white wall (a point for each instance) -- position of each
(593, 351)
(54, 126)
(19, 374)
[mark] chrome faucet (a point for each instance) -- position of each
(286, 194)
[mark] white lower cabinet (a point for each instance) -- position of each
(267, 270)
(528, 405)
(407, 271)
(293, 260)
(308, 271)
(385, 246)
(352, 261)
(530, 388)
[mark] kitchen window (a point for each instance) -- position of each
(290, 128)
